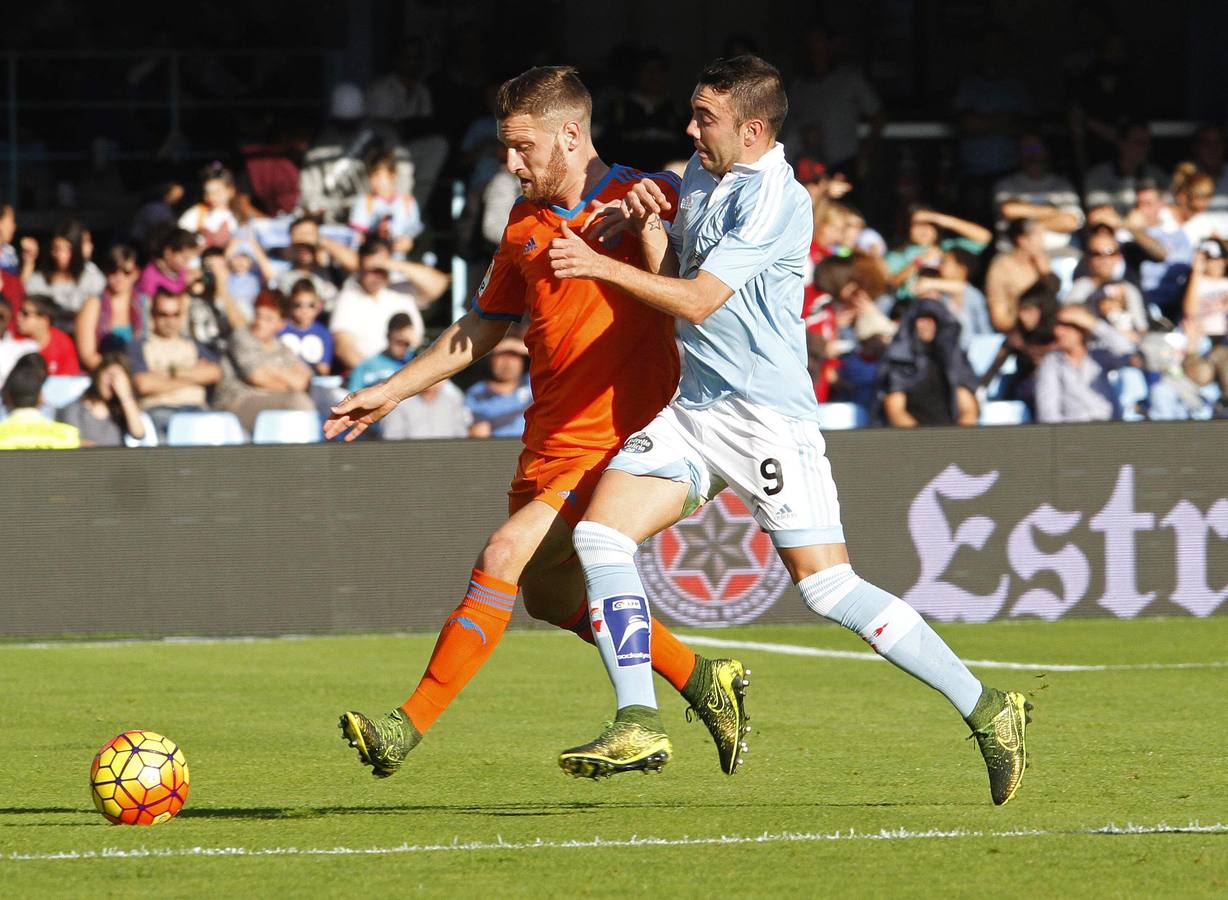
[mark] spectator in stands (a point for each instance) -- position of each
(1209, 152)
(926, 245)
(845, 290)
(12, 347)
(333, 175)
(858, 236)
(1206, 293)
(1040, 195)
(498, 401)
(212, 312)
(307, 338)
(382, 211)
(857, 377)
(26, 428)
(171, 372)
(56, 347)
(65, 272)
(1192, 191)
(1072, 383)
(437, 412)
(989, 103)
(107, 411)
(643, 124)
(171, 268)
(259, 371)
(1013, 272)
(1104, 285)
(157, 213)
(213, 219)
(400, 350)
(1161, 275)
(1027, 342)
(364, 306)
(317, 258)
(829, 102)
(112, 319)
(952, 288)
(1113, 182)
(10, 262)
(925, 379)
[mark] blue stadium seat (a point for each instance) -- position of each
(982, 348)
(151, 434)
(204, 429)
(1005, 412)
(287, 426)
(1132, 390)
(61, 390)
(842, 416)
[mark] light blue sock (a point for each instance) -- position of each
(894, 629)
(618, 611)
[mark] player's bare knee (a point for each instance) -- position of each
(504, 556)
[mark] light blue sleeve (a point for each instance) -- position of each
(761, 217)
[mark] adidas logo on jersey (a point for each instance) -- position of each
(785, 511)
(529, 247)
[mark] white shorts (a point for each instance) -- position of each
(774, 463)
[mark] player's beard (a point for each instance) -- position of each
(547, 186)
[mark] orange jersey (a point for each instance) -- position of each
(601, 363)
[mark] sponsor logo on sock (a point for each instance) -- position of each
(469, 625)
(629, 629)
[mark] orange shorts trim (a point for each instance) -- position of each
(565, 483)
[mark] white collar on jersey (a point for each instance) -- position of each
(774, 157)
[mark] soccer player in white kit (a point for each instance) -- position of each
(731, 270)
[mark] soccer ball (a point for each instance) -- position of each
(139, 778)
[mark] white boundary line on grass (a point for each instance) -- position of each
(699, 640)
(799, 650)
(784, 837)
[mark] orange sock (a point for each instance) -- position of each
(671, 659)
(466, 641)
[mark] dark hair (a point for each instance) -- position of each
(304, 220)
(379, 158)
(834, 273)
(118, 257)
(964, 258)
(215, 171)
(399, 321)
(1017, 228)
(177, 240)
(1146, 183)
(545, 92)
(109, 358)
(754, 87)
(25, 382)
(72, 231)
(302, 285)
(164, 292)
(373, 245)
(44, 304)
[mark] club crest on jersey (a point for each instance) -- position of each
(716, 568)
(529, 247)
(638, 443)
(629, 629)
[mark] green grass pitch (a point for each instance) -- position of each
(858, 780)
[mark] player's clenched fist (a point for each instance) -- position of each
(570, 257)
(359, 411)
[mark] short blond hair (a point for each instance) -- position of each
(545, 92)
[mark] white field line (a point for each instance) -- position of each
(799, 650)
(457, 845)
(699, 640)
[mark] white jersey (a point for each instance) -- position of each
(752, 230)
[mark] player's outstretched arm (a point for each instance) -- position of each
(469, 338)
(689, 299)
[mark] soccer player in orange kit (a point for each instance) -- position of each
(601, 366)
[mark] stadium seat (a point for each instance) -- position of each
(326, 392)
(61, 390)
(1005, 412)
(287, 426)
(204, 429)
(1132, 390)
(842, 416)
(982, 349)
(151, 435)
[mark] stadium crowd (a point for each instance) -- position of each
(309, 269)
